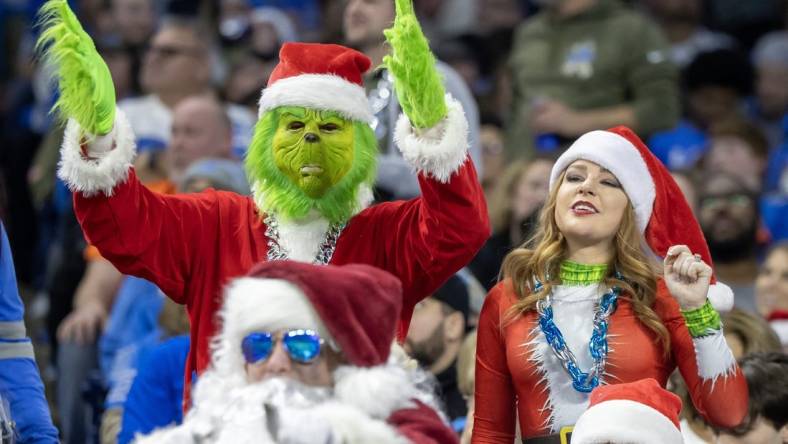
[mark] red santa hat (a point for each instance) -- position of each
(639, 412)
(661, 211)
(319, 76)
(355, 307)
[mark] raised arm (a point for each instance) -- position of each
(715, 383)
(433, 236)
(141, 232)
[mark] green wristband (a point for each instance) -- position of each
(702, 321)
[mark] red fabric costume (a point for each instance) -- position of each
(509, 380)
(191, 245)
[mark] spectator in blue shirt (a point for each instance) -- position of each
(156, 396)
(20, 382)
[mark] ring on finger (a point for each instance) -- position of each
(698, 257)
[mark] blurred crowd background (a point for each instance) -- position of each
(704, 82)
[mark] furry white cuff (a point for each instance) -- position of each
(109, 159)
(439, 151)
(713, 355)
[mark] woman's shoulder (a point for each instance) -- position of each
(503, 295)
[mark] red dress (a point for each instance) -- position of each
(191, 245)
(515, 369)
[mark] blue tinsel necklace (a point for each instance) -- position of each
(597, 346)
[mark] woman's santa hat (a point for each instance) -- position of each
(319, 76)
(639, 412)
(661, 211)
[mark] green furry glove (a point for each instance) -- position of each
(84, 81)
(416, 80)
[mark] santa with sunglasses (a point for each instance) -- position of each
(316, 366)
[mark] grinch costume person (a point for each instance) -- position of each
(311, 163)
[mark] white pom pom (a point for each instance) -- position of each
(721, 297)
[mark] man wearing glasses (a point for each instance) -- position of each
(728, 215)
(178, 63)
(315, 366)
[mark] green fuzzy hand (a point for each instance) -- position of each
(84, 81)
(416, 80)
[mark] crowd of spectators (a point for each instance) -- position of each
(704, 82)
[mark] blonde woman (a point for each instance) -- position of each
(587, 304)
(514, 206)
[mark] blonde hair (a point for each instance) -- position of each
(539, 259)
(500, 201)
(755, 333)
(501, 196)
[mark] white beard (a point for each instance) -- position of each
(276, 411)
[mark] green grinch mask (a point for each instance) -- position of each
(291, 176)
(313, 148)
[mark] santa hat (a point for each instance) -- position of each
(661, 211)
(354, 307)
(639, 412)
(319, 76)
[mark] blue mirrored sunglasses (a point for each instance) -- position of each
(301, 345)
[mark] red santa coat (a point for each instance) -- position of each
(191, 245)
(421, 425)
(515, 370)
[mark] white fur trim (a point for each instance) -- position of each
(380, 390)
(721, 297)
(620, 157)
(440, 151)
(260, 304)
(624, 421)
(353, 426)
(111, 165)
(780, 326)
(573, 313)
(364, 197)
(302, 238)
(318, 91)
(713, 356)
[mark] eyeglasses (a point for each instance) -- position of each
(167, 51)
(719, 200)
(302, 345)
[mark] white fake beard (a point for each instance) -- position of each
(255, 407)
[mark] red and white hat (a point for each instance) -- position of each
(639, 412)
(319, 76)
(661, 211)
(355, 306)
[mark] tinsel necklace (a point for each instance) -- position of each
(581, 381)
(324, 253)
